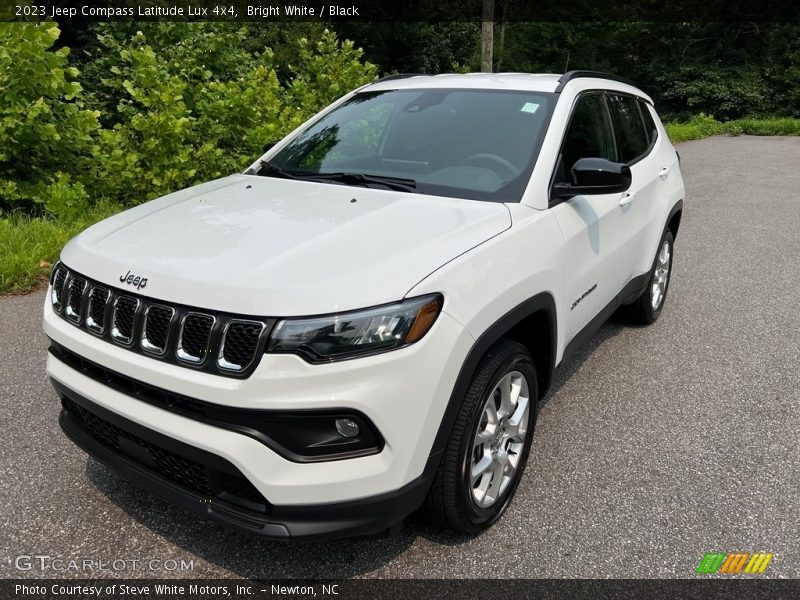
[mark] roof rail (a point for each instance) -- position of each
(398, 76)
(570, 75)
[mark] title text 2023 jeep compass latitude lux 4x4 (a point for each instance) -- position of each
(364, 321)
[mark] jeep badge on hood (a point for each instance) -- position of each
(135, 280)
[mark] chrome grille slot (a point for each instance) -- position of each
(239, 344)
(123, 319)
(195, 338)
(74, 302)
(57, 293)
(155, 331)
(96, 311)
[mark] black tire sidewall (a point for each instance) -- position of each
(483, 517)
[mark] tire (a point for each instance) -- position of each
(454, 500)
(647, 308)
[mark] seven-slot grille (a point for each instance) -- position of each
(213, 342)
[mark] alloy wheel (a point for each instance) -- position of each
(499, 439)
(660, 276)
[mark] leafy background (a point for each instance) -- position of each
(101, 116)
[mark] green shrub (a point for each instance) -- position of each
(728, 93)
(769, 126)
(703, 126)
(46, 133)
(179, 122)
(698, 127)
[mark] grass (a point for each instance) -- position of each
(703, 126)
(29, 246)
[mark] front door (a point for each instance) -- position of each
(596, 228)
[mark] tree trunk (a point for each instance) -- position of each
(501, 44)
(487, 36)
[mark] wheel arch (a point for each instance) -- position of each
(532, 323)
(674, 219)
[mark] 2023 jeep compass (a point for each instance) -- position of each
(365, 319)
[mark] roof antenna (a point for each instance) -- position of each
(566, 64)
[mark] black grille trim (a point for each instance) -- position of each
(73, 307)
(156, 328)
(195, 338)
(96, 312)
(59, 277)
(239, 344)
(184, 465)
(125, 319)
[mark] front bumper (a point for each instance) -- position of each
(360, 517)
(403, 393)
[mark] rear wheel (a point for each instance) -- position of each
(490, 442)
(648, 307)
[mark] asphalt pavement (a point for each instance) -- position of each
(656, 446)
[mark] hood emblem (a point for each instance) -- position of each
(136, 281)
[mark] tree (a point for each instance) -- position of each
(487, 35)
(46, 133)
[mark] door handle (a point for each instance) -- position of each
(663, 172)
(626, 199)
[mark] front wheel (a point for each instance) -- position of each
(489, 445)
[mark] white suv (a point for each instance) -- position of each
(364, 321)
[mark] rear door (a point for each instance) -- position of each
(636, 137)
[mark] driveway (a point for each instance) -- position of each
(656, 446)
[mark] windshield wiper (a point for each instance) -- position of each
(265, 167)
(399, 184)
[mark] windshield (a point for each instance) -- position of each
(476, 144)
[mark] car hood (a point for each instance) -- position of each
(277, 247)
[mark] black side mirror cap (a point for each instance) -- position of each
(595, 176)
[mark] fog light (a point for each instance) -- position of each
(347, 428)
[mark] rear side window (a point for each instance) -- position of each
(629, 129)
(588, 135)
(649, 123)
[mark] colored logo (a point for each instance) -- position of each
(734, 563)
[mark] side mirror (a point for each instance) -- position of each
(595, 176)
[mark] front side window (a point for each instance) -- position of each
(588, 135)
(632, 140)
(476, 144)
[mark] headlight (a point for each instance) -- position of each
(359, 332)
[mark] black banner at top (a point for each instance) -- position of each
(402, 10)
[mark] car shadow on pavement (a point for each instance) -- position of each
(575, 361)
(224, 552)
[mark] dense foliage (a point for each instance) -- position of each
(101, 115)
(46, 131)
(168, 106)
(729, 70)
